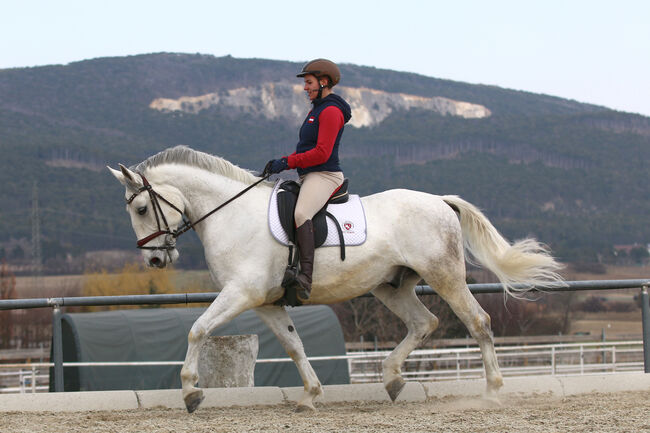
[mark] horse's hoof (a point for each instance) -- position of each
(193, 400)
(301, 408)
(491, 396)
(395, 387)
(492, 400)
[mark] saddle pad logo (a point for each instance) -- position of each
(348, 226)
(311, 119)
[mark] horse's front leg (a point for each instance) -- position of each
(230, 303)
(278, 320)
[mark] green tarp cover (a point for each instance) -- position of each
(160, 334)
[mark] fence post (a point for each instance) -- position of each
(645, 319)
(363, 351)
(603, 338)
(57, 349)
(553, 360)
(582, 360)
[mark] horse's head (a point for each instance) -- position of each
(155, 214)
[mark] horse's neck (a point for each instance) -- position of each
(204, 191)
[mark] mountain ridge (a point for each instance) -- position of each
(569, 173)
(286, 100)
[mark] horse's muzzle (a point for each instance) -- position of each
(161, 258)
(156, 262)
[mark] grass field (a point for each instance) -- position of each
(616, 326)
(71, 285)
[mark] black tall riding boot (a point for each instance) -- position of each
(305, 241)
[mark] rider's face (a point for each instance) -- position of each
(312, 85)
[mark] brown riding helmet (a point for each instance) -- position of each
(322, 68)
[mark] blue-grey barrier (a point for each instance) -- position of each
(191, 298)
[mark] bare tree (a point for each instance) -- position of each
(7, 291)
(369, 318)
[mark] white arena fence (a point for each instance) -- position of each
(435, 364)
(466, 363)
(421, 365)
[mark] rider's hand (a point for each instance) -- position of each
(276, 166)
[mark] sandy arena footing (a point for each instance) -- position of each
(555, 386)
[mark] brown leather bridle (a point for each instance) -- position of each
(170, 236)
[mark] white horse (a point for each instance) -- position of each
(411, 236)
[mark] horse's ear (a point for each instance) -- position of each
(118, 175)
(127, 178)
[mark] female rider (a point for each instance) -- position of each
(316, 158)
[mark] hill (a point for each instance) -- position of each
(571, 174)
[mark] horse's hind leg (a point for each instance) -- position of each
(278, 320)
(419, 321)
(477, 321)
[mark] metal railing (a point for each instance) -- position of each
(187, 298)
(421, 365)
(30, 380)
(466, 363)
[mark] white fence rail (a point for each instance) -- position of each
(421, 365)
(466, 363)
(26, 380)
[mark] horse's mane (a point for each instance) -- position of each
(194, 158)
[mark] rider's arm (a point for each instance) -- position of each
(330, 122)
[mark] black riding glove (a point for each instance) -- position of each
(276, 166)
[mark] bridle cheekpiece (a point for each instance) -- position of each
(170, 236)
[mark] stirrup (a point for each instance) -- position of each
(290, 277)
(291, 287)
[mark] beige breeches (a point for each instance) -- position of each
(317, 188)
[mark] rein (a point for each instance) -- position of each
(170, 236)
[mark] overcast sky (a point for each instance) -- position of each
(591, 51)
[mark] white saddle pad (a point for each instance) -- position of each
(350, 216)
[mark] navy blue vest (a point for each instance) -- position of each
(308, 134)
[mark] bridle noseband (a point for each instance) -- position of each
(170, 236)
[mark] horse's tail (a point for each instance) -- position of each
(526, 261)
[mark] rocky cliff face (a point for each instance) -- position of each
(285, 101)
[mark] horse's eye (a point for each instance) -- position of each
(142, 210)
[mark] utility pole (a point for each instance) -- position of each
(37, 257)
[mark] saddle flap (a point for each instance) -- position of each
(286, 206)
